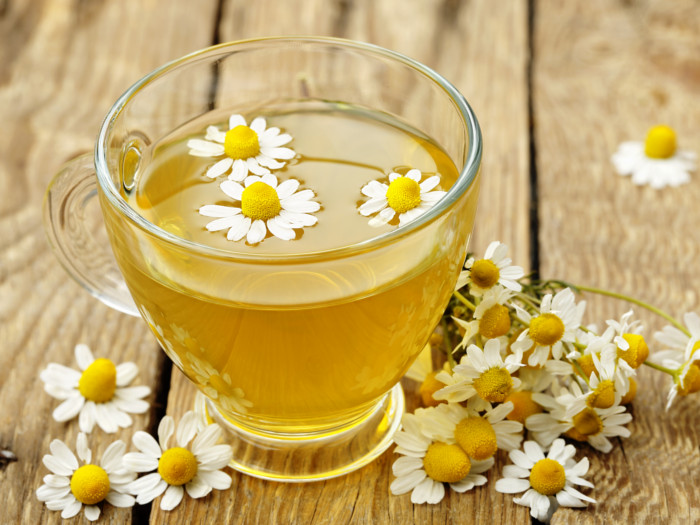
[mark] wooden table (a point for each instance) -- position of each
(556, 86)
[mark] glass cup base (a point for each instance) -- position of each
(295, 459)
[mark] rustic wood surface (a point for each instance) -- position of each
(601, 72)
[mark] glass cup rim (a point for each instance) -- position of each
(467, 173)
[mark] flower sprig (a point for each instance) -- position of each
(519, 361)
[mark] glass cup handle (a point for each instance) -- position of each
(75, 227)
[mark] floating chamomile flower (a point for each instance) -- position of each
(547, 481)
(493, 269)
(217, 386)
(98, 394)
(196, 467)
(265, 206)
(483, 373)
(405, 195)
(557, 323)
(426, 465)
(246, 148)
(656, 161)
(71, 485)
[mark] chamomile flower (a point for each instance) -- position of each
(426, 465)
(494, 268)
(656, 161)
(405, 195)
(557, 323)
(483, 373)
(265, 206)
(480, 436)
(195, 466)
(548, 480)
(253, 148)
(72, 485)
(491, 317)
(606, 386)
(217, 386)
(687, 377)
(97, 394)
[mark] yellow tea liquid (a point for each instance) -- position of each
(303, 347)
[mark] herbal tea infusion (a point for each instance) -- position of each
(311, 346)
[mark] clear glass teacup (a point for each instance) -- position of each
(298, 355)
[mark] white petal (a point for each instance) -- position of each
(117, 499)
(428, 184)
(428, 491)
(205, 146)
(373, 206)
(232, 189)
(215, 134)
(126, 372)
(235, 121)
(215, 479)
(256, 168)
(567, 500)
(69, 408)
(197, 488)
(60, 375)
(112, 457)
(432, 197)
(225, 223)
(172, 497)
(384, 217)
(139, 462)
(270, 180)
(215, 457)
(91, 512)
(258, 125)
(186, 429)
(300, 205)
(239, 171)
(214, 210)
(48, 493)
(414, 174)
(63, 454)
(71, 509)
(375, 190)
(147, 444)
(278, 153)
(219, 168)
(104, 415)
(86, 420)
(287, 188)
(269, 163)
(206, 438)
(238, 231)
(533, 451)
(147, 484)
(297, 220)
(133, 406)
(512, 485)
(60, 504)
(275, 142)
(521, 459)
(276, 227)
(83, 356)
(257, 232)
(408, 482)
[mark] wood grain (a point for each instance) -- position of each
(62, 66)
(605, 72)
(448, 38)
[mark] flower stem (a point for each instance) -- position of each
(466, 302)
(448, 343)
(632, 300)
(661, 368)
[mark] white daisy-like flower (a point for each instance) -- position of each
(592, 425)
(483, 373)
(405, 195)
(491, 318)
(548, 480)
(480, 436)
(426, 465)
(606, 385)
(216, 386)
(195, 466)
(656, 162)
(557, 323)
(244, 148)
(676, 344)
(72, 485)
(265, 206)
(97, 394)
(494, 268)
(687, 378)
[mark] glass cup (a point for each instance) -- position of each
(297, 356)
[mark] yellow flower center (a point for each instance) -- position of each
(586, 364)
(89, 484)
(494, 385)
(547, 477)
(484, 273)
(99, 381)
(691, 381)
(477, 437)
(660, 142)
(588, 422)
(603, 396)
(403, 194)
(575, 434)
(241, 142)
(177, 466)
(260, 202)
(546, 329)
(429, 386)
(631, 393)
(495, 322)
(446, 463)
(523, 406)
(638, 351)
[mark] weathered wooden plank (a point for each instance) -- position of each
(605, 72)
(62, 66)
(454, 38)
